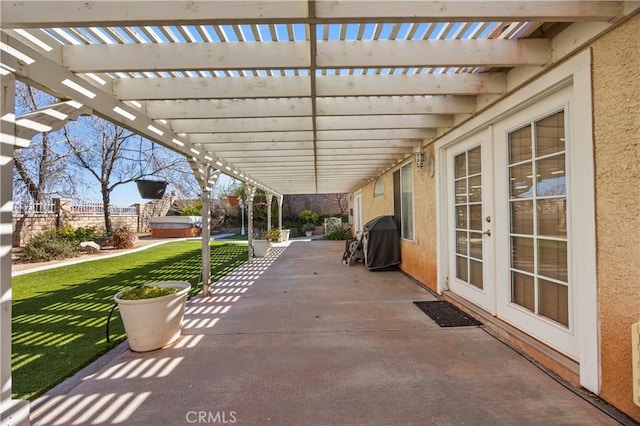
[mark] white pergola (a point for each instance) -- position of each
(289, 96)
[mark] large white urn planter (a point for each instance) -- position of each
(154, 323)
(261, 247)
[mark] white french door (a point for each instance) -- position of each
(471, 268)
(516, 263)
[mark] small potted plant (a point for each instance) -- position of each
(273, 235)
(308, 229)
(261, 244)
(152, 314)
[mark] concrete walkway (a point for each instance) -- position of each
(298, 338)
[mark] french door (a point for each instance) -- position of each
(471, 247)
(516, 263)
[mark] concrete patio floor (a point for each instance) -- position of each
(298, 338)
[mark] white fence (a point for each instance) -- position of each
(93, 208)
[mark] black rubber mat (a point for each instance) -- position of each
(446, 315)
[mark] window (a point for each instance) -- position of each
(538, 216)
(406, 201)
(378, 189)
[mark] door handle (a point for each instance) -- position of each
(487, 232)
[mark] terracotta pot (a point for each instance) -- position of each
(233, 199)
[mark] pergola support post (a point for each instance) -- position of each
(269, 199)
(280, 199)
(207, 177)
(12, 412)
(249, 193)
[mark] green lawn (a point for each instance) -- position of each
(236, 237)
(60, 315)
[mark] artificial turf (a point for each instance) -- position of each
(60, 315)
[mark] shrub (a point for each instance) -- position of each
(309, 216)
(146, 292)
(194, 209)
(122, 239)
(338, 234)
(273, 235)
(49, 245)
(87, 233)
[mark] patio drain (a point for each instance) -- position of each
(446, 315)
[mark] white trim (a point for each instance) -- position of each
(584, 262)
(576, 70)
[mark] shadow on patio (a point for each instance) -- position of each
(299, 338)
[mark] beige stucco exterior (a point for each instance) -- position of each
(616, 135)
(616, 129)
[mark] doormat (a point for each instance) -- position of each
(446, 315)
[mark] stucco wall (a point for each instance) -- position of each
(418, 256)
(616, 111)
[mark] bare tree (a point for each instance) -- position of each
(39, 170)
(114, 156)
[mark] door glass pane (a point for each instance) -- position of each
(461, 268)
(552, 217)
(550, 134)
(552, 259)
(540, 213)
(523, 291)
(461, 217)
(475, 217)
(473, 161)
(553, 301)
(475, 272)
(475, 245)
(522, 217)
(461, 191)
(550, 177)
(461, 242)
(520, 179)
(475, 189)
(520, 145)
(461, 165)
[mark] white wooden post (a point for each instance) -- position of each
(12, 412)
(269, 198)
(280, 199)
(211, 177)
(206, 236)
(249, 193)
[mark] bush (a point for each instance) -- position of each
(87, 233)
(194, 209)
(273, 235)
(49, 245)
(338, 234)
(309, 216)
(122, 239)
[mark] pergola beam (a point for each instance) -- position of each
(228, 108)
(300, 86)
(96, 58)
(113, 13)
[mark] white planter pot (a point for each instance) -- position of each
(153, 323)
(308, 233)
(261, 247)
(284, 235)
